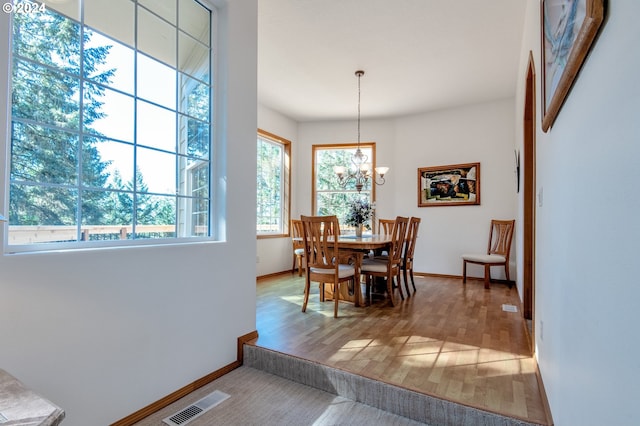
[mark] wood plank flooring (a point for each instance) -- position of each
(448, 339)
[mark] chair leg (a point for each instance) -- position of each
(336, 294)
(399, 284)
(293, 267)
(367, 282)
(307, 288)
(299, 259)
(487, 276)
(406, 283)
(464, 272)
(506, 274)
(390, 291)
(413, 283)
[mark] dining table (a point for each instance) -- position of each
(357, 247)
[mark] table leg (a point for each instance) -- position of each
(358, 287)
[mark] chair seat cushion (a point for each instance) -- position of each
(484, 258)
(374, 265)
(299, 252)
(344, 271)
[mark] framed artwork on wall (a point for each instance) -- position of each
(455, 185)
(569, 28)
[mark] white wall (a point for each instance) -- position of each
(588, 230)
(274, 254)
(104, 333)
(475, 133)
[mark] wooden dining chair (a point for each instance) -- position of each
(500, 236)
(409, 250)
(297, 245)
(321, 253)
(388, 267)
(385, 226)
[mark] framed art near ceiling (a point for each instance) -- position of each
(455, 185)
(569, 28)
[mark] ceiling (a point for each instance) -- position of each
(418, 55)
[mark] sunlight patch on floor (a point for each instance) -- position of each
(296, 300)
(421, 348)
(421, 360)
(357, 343)
(421, 351)
(312, 306)
(419, 339)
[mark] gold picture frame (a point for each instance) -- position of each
(455, 185)
(569, 28)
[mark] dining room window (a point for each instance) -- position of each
(110, 124)
(273, 185)
(329, 197)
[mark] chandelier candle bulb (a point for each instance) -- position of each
(382, 171)
(339, 170)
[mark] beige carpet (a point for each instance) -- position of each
(260, 398)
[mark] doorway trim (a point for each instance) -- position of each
(529, 197)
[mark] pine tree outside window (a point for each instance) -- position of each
(110, 124)
(273, 185)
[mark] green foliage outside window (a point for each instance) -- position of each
(330, 197)
(270, 174)
(58, 175)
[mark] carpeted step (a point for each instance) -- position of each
(393, 399)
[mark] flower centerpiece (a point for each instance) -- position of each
(358, 215)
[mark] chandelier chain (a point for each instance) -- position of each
(359, 75)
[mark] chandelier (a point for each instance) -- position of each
(360, 171)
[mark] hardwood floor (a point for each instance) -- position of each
(448, 339)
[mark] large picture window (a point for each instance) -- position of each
(110, 123)
(273, 185)
(329, 198)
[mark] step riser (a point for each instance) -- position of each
(393, 399)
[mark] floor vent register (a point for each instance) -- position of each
(196, 409)
(509, 308)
